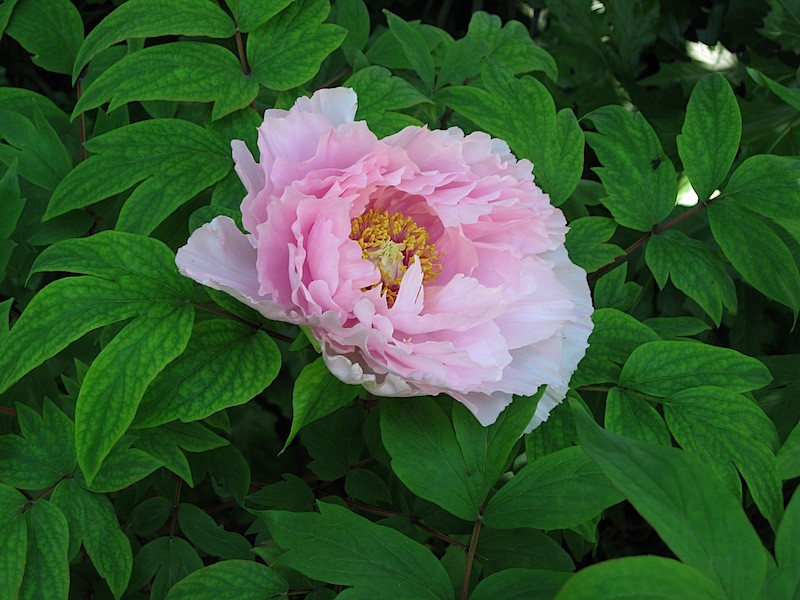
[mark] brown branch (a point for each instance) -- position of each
(473, 544)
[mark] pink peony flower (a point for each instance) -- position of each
(427, 262)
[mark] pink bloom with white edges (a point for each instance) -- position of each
(426, 262)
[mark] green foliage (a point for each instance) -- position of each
(160, 439)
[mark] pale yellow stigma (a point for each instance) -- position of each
(390, 242)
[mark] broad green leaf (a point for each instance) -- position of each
(367, 486)
(520, 584)
(229, 470)
(500, 549)
(636, 173)
(181, 71)
(787, 579)
(756, 252)
(93, 523)
(335, 443)
(414, 47)
(586, 242)
(12, 205)
(613, 290)
(317, 393)
(510, 45)
(789, 95)
(420, 439)
(204, 532)
(782, 24)
(631, 415)
(44, 454)
(720, 426)
(789, 455)
(51, 30)
(119, 376)
(694, 269)
(353, 16)
(615, 335)
(244, 579)
(41, 156)
(769, 185)
(463, 59)
(166, 443)
(5, 14)
(558, 491)
(154, 18)
(249, 14)
(149, 516)
(46, 565)
(633, 28)
(636, 577)
(122, 468)
(13, 541)
(291, 494)
(287, 50)
(176, 158)
(169, 559)
(664, 368)
(340, 547)
(710, 136)
(225, 364)
(700, 521)
(673, 327)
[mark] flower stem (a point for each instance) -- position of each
(473, 544)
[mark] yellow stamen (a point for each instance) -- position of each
(390, 242)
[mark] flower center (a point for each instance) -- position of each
(390, 242)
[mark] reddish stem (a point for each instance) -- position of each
(473, 544)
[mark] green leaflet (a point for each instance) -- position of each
(586, 242)
(463, 59)
(287, 50)
(634, 27)
(500, 549)
(782, 24)
(204, 532)
(183, 71)
(12, 203)
(789, 455)
(44, 454)
(51, 30)
(46, 565)
(695, 270)
(122, 468)
(249, 14)
(353, 16)
(520, 584)
(701, 522)
(414, 47)
(638, 177)
(5, 14)
(630, 415)
(636, 577)
(13, 541)
(511, 110)
(244, 579)
(569, 475)
(711, 133)
(756, 251)
(93, 523)
(225, 364)
(169, 559)
(786, 581)
(154, 18)
(341, 547)
(769, 185)
(175, 158)
(720, 427)
(317, 393)
(613, 290)
(789, 95)
(664, 368)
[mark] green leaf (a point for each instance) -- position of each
(5, 14)
(700, 521)
(789, 95)
(638, 177)
(93, 523)
(664, 368)
(46, 564)
(177, 159)
(586, 242)
(782, 24)
(122, 468)
(244, 579)
(414, 47)
(154, 18)
(170, 559)
(353, 16)
(167, 442)
(636, 577)
(249, 14)
(335, 443)
(287, 50)
(520, 584)
(676, 327)
(229, 470)
(756, 252)
(768, 185)
(119, 376)
(149, 516)
(12, 203)
(613, 290)
(694, 269)
(317, 393)
(424, 448)
(510, 45)
(500, 549)
(711, 133)
(561, 490)
(343, 548)
(13, 541)
(225, 364)
(789, 455)
(633, 28)
(181, 71)
(631, 415)
(720, 426)
(786, 552)
(51, 30)
(44, 454)
(204, 532)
